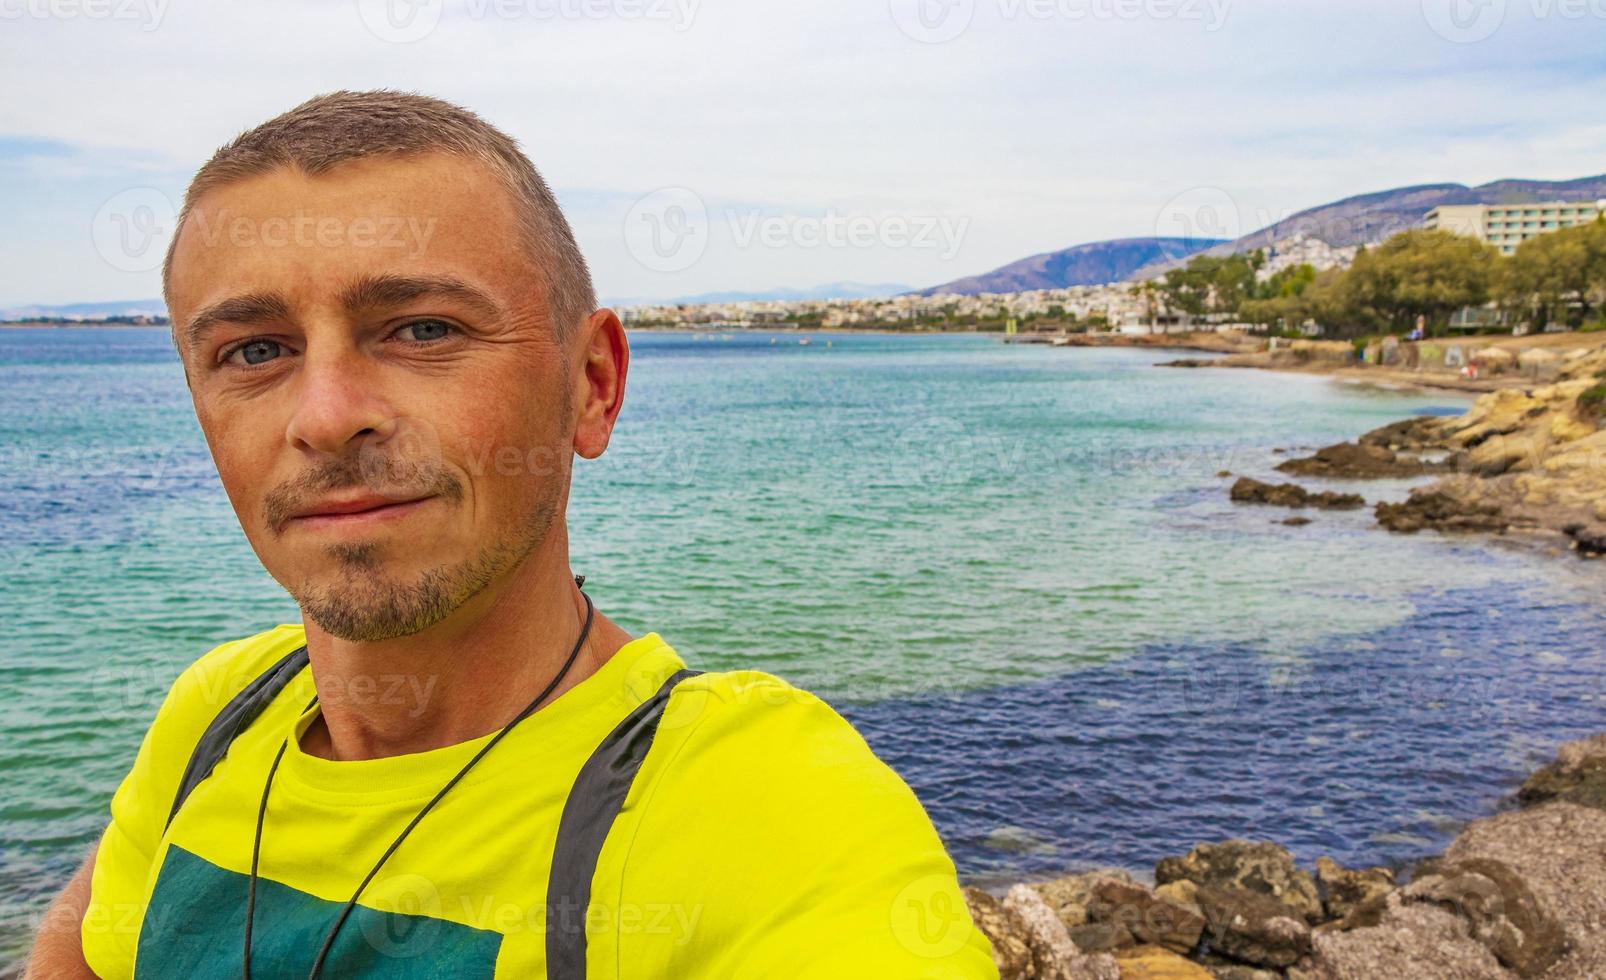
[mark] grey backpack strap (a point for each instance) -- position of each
(594, 802)
(235, 717)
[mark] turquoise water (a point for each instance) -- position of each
(1014, 567)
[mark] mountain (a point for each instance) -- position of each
(830, 290)
(126, 307)
(1374, 217)
(1092, 264)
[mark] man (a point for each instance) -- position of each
(455, 766)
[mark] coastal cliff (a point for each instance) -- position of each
(1518, 895)
(1522, 460)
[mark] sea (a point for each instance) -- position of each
(1014, 568)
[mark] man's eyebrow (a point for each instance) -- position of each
(382, 291)
(251, 308)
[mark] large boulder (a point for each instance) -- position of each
(1410, 941)
(1557, 852)
(1501, 911)
(1253, 928)
(1257, 866)
(1577, 776)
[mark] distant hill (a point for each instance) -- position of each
(1092, 264)
(1374, 217)
(125, 307)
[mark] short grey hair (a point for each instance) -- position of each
(339, 127)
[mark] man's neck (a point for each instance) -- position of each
(463, 678)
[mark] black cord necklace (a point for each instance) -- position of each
(256, 844)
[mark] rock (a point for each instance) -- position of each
(1348, 460)
(1237, 971)
(1180, 892)
(1007, 931)
(1102, 937)
(1347, 890)
(1433, 509)
(1056, 955)
(1414, 941)
(1501, 911)
(1154, 963)
(1149, 918)
(1588, 539)
(1296, 521)
(1556, 850)
(1421, 432)
(1251, 491)
(1223, 474)
(1017, 840)
(1363, 916)
(1577, 776)
(1258, 866)
(1070, 896)
(1252, 927)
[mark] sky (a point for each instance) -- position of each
(705, 146)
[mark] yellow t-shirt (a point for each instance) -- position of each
(760, 838)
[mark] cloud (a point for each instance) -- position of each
(1041, 124)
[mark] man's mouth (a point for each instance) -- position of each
(362, 511)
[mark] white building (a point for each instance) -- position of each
(1506, 226)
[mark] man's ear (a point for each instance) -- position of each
(602, 361)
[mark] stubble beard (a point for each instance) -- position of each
(367, 605)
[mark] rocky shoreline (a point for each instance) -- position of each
(1523, 461)
(1519, 894)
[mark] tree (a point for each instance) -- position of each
(1209, 284)
(1556, 277)
(1428, 273)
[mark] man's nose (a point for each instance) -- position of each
(340, 406)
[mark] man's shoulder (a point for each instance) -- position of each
(216, 676)
(761, 723)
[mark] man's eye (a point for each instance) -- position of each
(255, 352)
(424, 330)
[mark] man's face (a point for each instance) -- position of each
(372, 361)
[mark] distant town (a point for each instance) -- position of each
(1492, 268)
(1124, 306)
